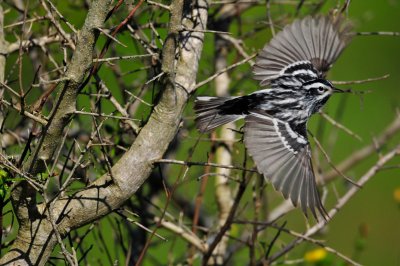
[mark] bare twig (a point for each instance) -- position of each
(53, 7)
(328, 159)
(105, 115)
(207, 31)
(125, 57)
(41, 41)
(381, 33)
(139, 99)
(340, 126)
(25, 113)
(111, 37)
(57, 25)
(171, 161)
(184, 233)
(19, 23)
(118, 106)
(211, 78)
(159, 5)
(270, 21)
(360, 81)
(237, 43)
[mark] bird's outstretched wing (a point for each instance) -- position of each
(311, 41)
(283, 156)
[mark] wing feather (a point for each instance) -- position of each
(317, 40)
(271, 144)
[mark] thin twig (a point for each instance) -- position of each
(382, 33)
(118, 106)
(140, 225)
(154, 78)
(10, 89)
(126, 57)
(184, 233)
(270, 22)
(111, 37)
(139, 99)
(47, 82)
(340, 126)
(159, 5)
(171, 161)
(41, 41)
(328, 159)
(5, 162)
(105, 115)
(237, 43)
(25, 113)
(53, 7)
(207, 31)
(35, 19)
(211, 78)
(57, 24)
(360, 81)
(280, 228)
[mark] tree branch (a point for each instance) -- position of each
(135, 166)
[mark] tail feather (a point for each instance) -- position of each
(209, 113)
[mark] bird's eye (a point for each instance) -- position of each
(320, 89)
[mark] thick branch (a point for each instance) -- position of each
(129, 173)
(66, 99)
(134, 167)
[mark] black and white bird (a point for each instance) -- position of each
(292, 69)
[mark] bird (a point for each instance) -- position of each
(291, 70)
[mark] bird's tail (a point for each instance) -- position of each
(213, 112)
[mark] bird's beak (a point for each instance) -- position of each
(337, 90)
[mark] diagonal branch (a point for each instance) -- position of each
(135, 166)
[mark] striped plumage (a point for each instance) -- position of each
(293, 66)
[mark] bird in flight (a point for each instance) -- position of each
(292, 71)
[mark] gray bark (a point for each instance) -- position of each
(36, 238)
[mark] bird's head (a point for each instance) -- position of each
(316, 93)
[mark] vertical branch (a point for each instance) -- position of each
(65, 104)
(3, 54)
(170, 45)
(168, 66)
(223, 156)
